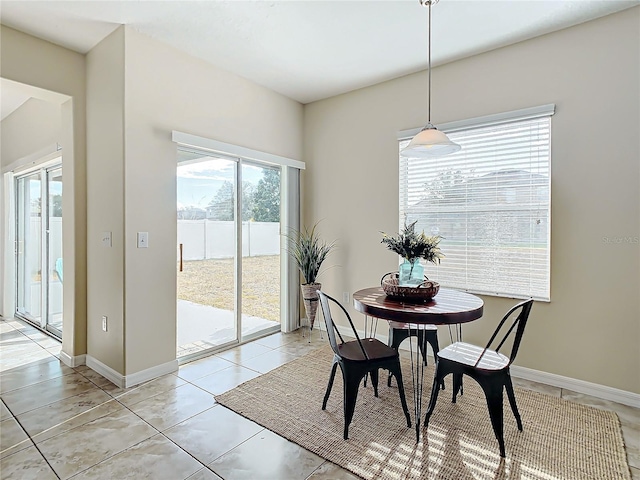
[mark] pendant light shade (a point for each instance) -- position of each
(430, 142)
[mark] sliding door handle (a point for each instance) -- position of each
(181, 257)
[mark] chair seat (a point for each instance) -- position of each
(411, 326)
(375, 350)
(467, 354)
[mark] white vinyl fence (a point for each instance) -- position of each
(33, 273)
(204, 239)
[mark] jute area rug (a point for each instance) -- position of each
(561, 439)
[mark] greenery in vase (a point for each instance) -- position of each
(412, 246)
(309, 251)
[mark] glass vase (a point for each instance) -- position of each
(411, 273)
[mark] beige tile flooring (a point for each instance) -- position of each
(57, 422)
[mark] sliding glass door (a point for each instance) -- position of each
(54, 251)
(29, 247)
(260, 249)
(39, 273)
(228, 251)
(206, 253)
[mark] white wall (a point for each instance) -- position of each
(591, 328)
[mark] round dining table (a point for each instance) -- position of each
(448, 307)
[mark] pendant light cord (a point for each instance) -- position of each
(429, 142)
(429, 64)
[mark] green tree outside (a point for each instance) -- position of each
(223, 206)
(266, 198)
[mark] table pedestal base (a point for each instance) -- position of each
(417, 375)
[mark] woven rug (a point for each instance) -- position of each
(561, 440)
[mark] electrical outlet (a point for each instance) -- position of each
(345, 298)
(104, 323)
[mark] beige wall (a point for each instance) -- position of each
(27, 135)
(105, 200)
(589, 331)
(137, 92)
(591, 328)
(34, 126)
(34, 62)
(164, 90)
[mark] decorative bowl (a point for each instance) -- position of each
(415, 293)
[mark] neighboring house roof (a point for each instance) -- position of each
(507, 182)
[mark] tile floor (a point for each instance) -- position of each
(58, 422)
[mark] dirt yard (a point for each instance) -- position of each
(210, 282)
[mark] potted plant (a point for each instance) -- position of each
(412, 246)
(309, 251)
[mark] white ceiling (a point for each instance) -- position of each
(309, 50)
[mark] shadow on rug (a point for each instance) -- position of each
(561, 440)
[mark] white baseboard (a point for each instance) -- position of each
(126, 381)
(595, 390)
(74, 361)
(106, 371)
(580, 386)
(150, 373)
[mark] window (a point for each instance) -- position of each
(490, 202)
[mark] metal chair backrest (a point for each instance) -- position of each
(518, 325)
(332, 329)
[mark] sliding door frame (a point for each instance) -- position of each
(289, 218)
(45, 166)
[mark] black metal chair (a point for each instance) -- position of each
(356, 358)
(487, 367)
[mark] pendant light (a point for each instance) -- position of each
(430, 142)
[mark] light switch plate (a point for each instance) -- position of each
(143, 239)
(106, 239)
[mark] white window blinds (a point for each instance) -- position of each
(491, 204)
